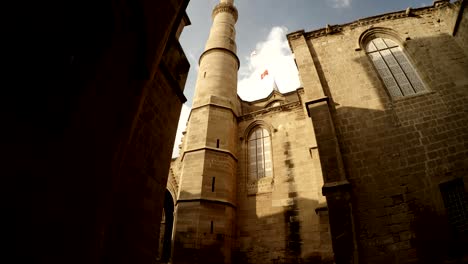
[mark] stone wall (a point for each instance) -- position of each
(96, 116)
(277, 220)
(395, 152)
(147, 161)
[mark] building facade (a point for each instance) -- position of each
(391, 91)
(365, 163)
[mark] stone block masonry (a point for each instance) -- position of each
(396, 151)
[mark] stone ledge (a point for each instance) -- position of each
(208, 51)
(335, 186)
(334, 29)
(283, 107)
(209, 148)
(320, 209)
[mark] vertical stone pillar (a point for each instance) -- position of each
(336, 188)
(206, 205)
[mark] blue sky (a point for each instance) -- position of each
(262, 27)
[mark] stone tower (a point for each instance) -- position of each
(206, 205)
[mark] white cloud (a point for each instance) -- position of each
(184, 115)
(340, 3)
(273, 55)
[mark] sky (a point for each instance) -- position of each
(261, 39)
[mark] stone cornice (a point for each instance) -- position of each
(284, 107)
(224, 151)
(295, 35)
(335, 186)
(214, 105)
(334, 29)
(299, 90)
(225, 7)
(315, 101)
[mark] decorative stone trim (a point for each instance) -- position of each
(330, 30)
(284, 107)
(259, 123)
(374, 32)
(214, 105)
(272, 94)
(295, 35)
(440, 3)
(334, 29)
(224, 151)
(224, 7)
(173, 179)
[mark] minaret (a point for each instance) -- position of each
(206, 207)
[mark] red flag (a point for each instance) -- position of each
(265, 73)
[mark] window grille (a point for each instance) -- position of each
(259, 154)
(394, 68)
(456, 204)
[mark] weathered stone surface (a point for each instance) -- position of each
(206, 202)
(396, 152)
(356, 173)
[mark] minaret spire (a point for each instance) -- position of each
(204, 228)
(220, 50)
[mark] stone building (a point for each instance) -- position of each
(94, 92)
(365, 163)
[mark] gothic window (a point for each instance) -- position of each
(259, 154)
(394, 68)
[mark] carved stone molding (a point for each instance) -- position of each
(295, 35)
(441, 3)
(334, 29)
(284, 107)
(224, 7)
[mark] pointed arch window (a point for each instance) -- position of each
(259, 154)
(394, 68)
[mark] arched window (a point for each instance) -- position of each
(394, 68)
(259, 154)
